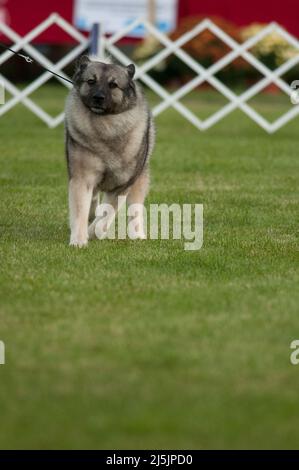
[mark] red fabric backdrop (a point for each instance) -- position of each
(241, 12)
(24, 15)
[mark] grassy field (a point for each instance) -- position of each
(142, 344)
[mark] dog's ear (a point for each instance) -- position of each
(81, 65)
(131, 70)
(83, 61)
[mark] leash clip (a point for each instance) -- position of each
(27, 58)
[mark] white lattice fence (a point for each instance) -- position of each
(24, 43)
(170, 47)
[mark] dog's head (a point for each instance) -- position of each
(105, 88)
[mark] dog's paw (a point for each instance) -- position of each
(101, 234)
(136, 235)
(79, 243)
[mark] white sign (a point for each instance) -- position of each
(115, 14)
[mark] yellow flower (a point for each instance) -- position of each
(273, 43)
(149, 46)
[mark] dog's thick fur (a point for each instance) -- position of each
(109, 138)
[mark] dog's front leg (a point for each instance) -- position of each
(80, 195)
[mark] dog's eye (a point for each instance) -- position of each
(112, 85)
(91, 81)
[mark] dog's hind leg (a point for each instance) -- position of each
(136, 197)
(93, 205)
(115, 201)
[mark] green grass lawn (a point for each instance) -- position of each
(142, 344)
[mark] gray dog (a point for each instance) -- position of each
(109, 138)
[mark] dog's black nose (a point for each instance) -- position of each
(98, 97)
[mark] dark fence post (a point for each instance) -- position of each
(95, 40)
